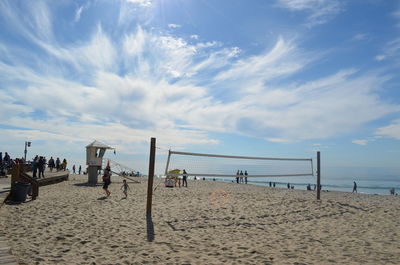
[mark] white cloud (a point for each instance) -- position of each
(144, 3)
(78, 13)
(291, 112)
(134, 44)
(174, 26)
(396, 14)
(194, 36)
(321, 11)
(390, 51)
(380, 58)
(360, 142)
(392, 130)
(34, 20)
(361, 36)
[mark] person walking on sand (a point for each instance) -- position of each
(184, 179)
(237, 176)
(58, 164)
(125, 188)
(107, 180)
(41, 164)
(80, 169)
(355, 187)
(245, 176)
(64, 164)
(73, 169)
(51, 164)
(241, 176)
(35, 166)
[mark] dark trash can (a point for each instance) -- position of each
(20, 191)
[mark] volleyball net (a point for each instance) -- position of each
(212, 165)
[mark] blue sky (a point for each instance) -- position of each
(280, 78)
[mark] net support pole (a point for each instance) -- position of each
(318, 176)
(151, 176)
(166, 168)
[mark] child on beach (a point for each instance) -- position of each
(125, 188)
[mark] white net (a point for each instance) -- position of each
(211, 165)
(118, 168)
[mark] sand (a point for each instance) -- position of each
(206, 223)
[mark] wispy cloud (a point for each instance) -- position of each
(361, 36)
(360, 142)
(396, 15)
(392, 130)
(145, 3)
(320, 11)
(78, 12)
(390, 51)
(174, 26)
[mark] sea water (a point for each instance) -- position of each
(370, 180)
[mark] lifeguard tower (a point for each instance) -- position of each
(94, 158)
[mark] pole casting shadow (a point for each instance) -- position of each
(150, 228)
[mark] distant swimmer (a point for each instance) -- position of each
(355, 187)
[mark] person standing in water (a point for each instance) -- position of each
(355, 187)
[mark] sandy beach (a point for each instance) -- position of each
(206, 223)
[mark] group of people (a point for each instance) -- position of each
(5, 163)
(182, 180)
(241, 177)
(74, 169)
(39, 165)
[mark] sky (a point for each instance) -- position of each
(277, 78)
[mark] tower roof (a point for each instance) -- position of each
(98, 144)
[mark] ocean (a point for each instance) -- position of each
(371, 180)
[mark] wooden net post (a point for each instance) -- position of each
(151, 176)
(318, 176)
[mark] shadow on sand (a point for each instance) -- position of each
(150, 228)
(87, 184)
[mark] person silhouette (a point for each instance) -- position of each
(354, 187)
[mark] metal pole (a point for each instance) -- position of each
(166, 168)
(26, 143)
(318, 176)
(151, 176)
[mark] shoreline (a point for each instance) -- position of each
(282, 185)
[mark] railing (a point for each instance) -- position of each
(19, 174)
